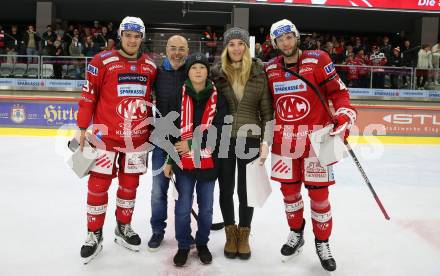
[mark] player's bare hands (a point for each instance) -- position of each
(168, 170)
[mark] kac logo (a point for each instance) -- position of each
(292, 108)
(18, 113)
(134, 109)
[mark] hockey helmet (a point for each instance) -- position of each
(134, 24)
(282, 27)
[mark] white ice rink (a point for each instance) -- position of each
(42, 209)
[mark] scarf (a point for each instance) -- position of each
(187, 161)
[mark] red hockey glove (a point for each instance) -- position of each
(344, 119)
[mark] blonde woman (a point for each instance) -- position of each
(243, 82)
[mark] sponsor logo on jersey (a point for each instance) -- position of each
(292, 108)
(287, 75)
(134, 109)
(110, 59)
(133, 67)
(274, 74)
(146, 69)
(131, 90)
(147, 61)
(92, 70)
(289, 87)
(116, 66)
(309, 60)
(270, 67)
(305, 70)
(313, 54)
(132, 78)
(329, 68)
(106, 54)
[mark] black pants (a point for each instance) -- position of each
(227, 184)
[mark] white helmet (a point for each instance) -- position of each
(282, 27)
(134, 24)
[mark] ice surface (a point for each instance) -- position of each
(44, 224)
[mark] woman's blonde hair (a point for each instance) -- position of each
(228, 69)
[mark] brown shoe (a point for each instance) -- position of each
(244, 250)
(231, 241)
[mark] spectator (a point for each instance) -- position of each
(48, 38)
(59, 30)
(67, 38)
(386, 47)
(2, 41)
(13, 42)
(260, 37)
(259, 51)
(395, 61)
(329, 48)
(409, 58)
(378, 60)
(111, 45)
(358, 44)
(31, 42)
(58, 64)
(352, 70)
(90, 47)
(424, 64)
(435, 61)
(75, 50)
(96, 27)
(361, 59)
(209, 38)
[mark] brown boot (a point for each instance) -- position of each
(231, 241)
(244, 250)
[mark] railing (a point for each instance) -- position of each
(356, 76)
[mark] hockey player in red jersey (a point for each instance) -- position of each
(115, 100)
(298, 112)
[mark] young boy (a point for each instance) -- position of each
(201, 109)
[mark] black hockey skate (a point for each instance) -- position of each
(126, 237)
(325, 255)
(294, 244)
(92, 246)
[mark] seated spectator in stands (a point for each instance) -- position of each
(31, 42)
(48, 38)
(90, 47)
(352, 70)
(13, 41)
(330, 50)
(378, 60)
(358, 45)
(59, 30)
(259, 51)
(339, 50)
(111, 32)
(364, 72)
(424, 64)
(96, 27)
(101, 38)
(111, 45)
(395, 61)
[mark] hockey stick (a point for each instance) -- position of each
(215, 226)
(350, 150)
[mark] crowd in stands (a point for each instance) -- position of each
(351, 53)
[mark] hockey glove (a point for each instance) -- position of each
(343, 120)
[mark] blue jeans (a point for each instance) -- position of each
(159, 192)
(205, 196)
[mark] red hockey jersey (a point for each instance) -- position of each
(298, 110)
(117, 97)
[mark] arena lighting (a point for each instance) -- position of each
(418, 6)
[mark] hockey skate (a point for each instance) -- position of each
(294, 244)
(126, 237)
(92, 246)
(325, 255)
